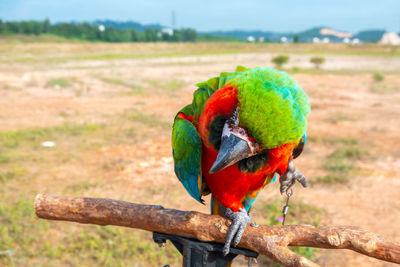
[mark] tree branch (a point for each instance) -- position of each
(272, 241)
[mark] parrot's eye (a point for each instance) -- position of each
(216, 128)
(300, 146)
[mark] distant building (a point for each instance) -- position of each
(355, 41)
(316, 40)
(251, 39)
(102, 28)
(390, 38)
(284, 39)
(167, 31)
(261, 39)
(346, 40)
(326, 40)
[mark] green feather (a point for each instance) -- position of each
(272, 106)
(186, 151)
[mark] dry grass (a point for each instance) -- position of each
(60, 51)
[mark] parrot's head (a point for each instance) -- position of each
(271, 111)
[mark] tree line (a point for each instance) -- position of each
(95, 32)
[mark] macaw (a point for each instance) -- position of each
(242, 129)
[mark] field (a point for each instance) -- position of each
(109, 108)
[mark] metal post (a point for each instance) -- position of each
(202, 254)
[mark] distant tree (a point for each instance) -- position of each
(280, 60)
(317, 61)
(2, 26)
(295, 39)
(92, 32)
(378, 77)
(189, 35)
(111, 35)
(86, 31)
(46, 26)
(177, 36)
(166, 36)
(36, 27)
(125, 35)
(151, 35)
(13, 27)
(134, 37)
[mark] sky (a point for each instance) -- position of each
(209, 15)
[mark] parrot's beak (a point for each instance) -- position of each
(233, 149)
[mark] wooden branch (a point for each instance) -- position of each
(272, 241)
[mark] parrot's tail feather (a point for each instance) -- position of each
(216, 208)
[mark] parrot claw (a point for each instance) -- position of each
(290, 176)
(239, 219)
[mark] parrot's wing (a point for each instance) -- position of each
(186, 150)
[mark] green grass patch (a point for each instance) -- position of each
(341, 161)
(338, 165)
(347, 72)
(378, 77)
(348, 152)
(345, 141)
(21, 53)
(170, 87)
(334, 119)
(299, 212)
(4, 159)
(12, 172)
(20, 232)
(12, 139)
(150, 120)
(335, 178)
(5, 176)
(26, 238)
(134, 89)
(384, 88)
(114, 246)
(80, 188)
(63, 244)
(332, 141)
(60, 82)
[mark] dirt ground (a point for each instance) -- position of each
(132, 102)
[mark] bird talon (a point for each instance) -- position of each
(239, 219)
(290, 176)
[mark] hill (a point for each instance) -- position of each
(308, 35)
(120, 25)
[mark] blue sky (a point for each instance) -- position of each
(205, 15)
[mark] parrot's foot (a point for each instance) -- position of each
(289, 177)
(239, 219)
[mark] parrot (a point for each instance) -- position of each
(242, 130)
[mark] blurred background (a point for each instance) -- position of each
(89, 90)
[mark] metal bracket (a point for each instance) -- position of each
(202, 254)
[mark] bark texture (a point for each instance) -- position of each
(272, 241)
